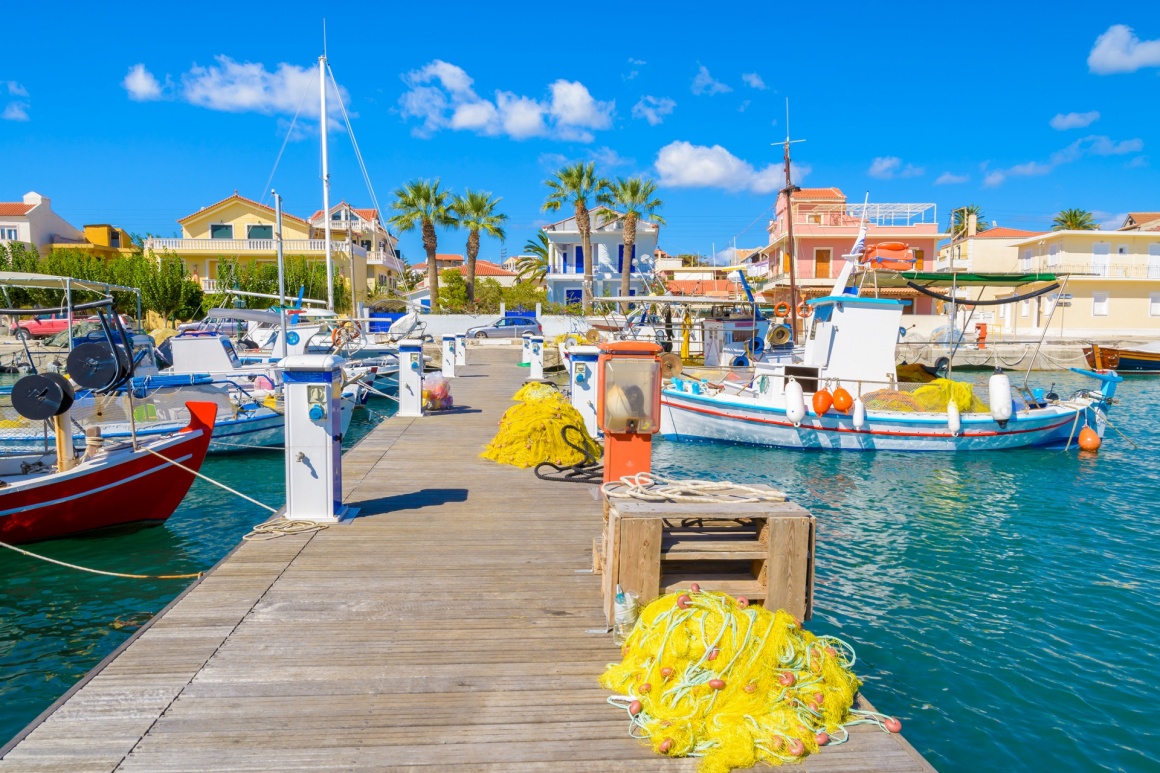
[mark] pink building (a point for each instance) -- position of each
(825, 228)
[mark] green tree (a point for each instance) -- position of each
(636, 198)
(488, 297)
(961, 217)
(1074, 220)
(476, 212)
(533, 265)
(454, 296)
(168, 291)
(421, 204)
(576, 185)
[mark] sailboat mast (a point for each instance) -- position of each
(325, 185)
(793, 301)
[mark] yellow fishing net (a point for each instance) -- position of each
(932, 397)
(706, 675)
(530, 432)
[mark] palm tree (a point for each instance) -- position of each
(961, 217)
(476, 212)
(533, 265)
(421, 204)
(576, 184)
(1074, 220)
(636, 198)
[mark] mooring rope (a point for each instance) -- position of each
(282, 527)
(210, 480)
(651, 487)
(101, 571)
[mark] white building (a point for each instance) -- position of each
(33, 222)
(565, 279)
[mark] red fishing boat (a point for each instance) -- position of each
(114, 486)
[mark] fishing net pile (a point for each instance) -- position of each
(530, 432)
(932, 397)
(706, 675)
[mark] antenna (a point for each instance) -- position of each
(323, 37)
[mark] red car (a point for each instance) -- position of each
(40, 326)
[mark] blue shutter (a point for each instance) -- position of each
(579, 259)
(620, 264)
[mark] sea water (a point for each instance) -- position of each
(1003, 604)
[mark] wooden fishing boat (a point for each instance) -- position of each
(1145, 359)
(111, 487)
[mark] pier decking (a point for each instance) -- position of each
(449, 627)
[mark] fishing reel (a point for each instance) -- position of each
(41, 396)
(104, 366)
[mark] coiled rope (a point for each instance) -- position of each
(651, 487)
(282, 527)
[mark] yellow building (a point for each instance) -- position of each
(102, 240)
(238, 227)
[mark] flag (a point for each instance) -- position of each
(859, 243)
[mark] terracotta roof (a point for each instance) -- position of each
(818, 193)
(236, 197)
(449, 258)
(14, 208)
(482, 268)
(1134, 219)
(1001, 232)
(365, 214)
(716, 287)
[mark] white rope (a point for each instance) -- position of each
(100, 571)
(210, 480)
(278, 160)
(282, 527)
(651, 487)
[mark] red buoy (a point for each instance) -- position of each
(742, 602)
(695, 588)
(796, 748)
(713, 653)
(645, 687)
(665, 746)
(822, 738)
(751, 687)
(892, 724)
(842, 400)
(634, 708)
(666, 672)
(1089, 440)
(717, 684)
(683, 601)
(822, 401)
(786, 679)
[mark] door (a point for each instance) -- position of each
(919, 261)
(822, 263)
(1101, 258)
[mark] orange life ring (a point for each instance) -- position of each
(804, 310)
(893, 246)
(335, 336)
(781, 309)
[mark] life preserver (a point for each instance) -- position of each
(893, 246)
(335, 336)
(804, 309)
(781, 309)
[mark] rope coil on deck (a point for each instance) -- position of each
(651, 487)
(282, 527)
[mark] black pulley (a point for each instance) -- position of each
(42, 396)
(96, 365)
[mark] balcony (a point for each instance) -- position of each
(1142, 268)
(244, 246)
(386, 260)
(949, 263)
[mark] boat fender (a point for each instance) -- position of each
(1089, 440)
(740, 361)
(842, 400)
(941, 366)
(999, 396)
(822, 401)
(859, 412)
(795, 402)
(954, 421)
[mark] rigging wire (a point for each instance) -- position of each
(289, 134)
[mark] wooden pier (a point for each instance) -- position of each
(454, 625)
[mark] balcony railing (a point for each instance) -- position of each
(232, 246)
(1112, 269)
(385, 259)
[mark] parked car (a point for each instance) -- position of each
(40, 326)
(507, 327)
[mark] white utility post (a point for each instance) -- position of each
(313, 388)
(460, 349)
(410, 377)
(537, 367)
(526, 351)
(449, 355)
(582, 375)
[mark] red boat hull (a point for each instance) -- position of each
(126, 487)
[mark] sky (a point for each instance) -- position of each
(138, 115)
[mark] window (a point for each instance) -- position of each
(579, 259)
(919, 263)
(814, 219)
(1025, 259)
(221, 231)
(1101, 258)
(1100, 303)
(337, 215)
(1154, 304)
(573, 297)
(1024, 308)
(1053, 255)
(822, 262)
(259, 232)
(8, 233)
(1121, 249)
(115, 239)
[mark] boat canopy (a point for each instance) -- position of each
(50, 282)
(959, 279)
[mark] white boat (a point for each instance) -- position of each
(850, 345)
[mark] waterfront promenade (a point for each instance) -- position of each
(449, 627)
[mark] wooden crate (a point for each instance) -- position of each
(763, 551)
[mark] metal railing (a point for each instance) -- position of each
(1112, 269)
(229, 246)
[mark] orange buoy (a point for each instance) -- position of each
(781, 309)
(822, 738)
(634, 708)
(683, 601)
(751, 687)
(694, 588)
(665, 746)
(713, 653)
(892, 724)
(1089, 439)
(822, 401)
(666, 672)
(787, 678)
(843, 402)
(796, 748)
(717, 684)
(644, 688)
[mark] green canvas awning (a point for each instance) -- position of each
(957, 279)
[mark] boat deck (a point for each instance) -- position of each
(449, 627)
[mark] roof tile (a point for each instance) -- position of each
(14, 208)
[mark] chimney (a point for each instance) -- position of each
(34, 198)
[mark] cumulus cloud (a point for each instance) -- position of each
(1092, 145)
(15, 89)
(653, 109)
(703, 83)
(753, 81)
(141, 84)
(947, 178)
(887, 167)
(1120, 50)
(1064, 121)
(685, 165)
(442, 96)
(636, 61)
(1109, 221)
(16, 111)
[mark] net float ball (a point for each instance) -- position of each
(751, 687)
(665, 746)
(646, 687)
(822, 401)
(796, 748)
(713, 653)
(843, 402)
(822, 738)
(786, 679)
(742, 602)
(694, 588)
(776, 742)
(717, 684)
(892, 724)
(666, 672)
(634, 708)
(1089, 439)
(683, 601)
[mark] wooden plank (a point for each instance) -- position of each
(640, 557)
(788, 567)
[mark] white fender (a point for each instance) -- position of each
(795, 402)
(953, 420)
(859, 412)
(999, 395)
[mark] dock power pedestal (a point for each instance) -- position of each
(410, 377)
(313, 399)
(582, 375)
(449, 355)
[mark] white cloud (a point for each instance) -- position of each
(947, 178)
(685, 165)
(15, 89)
(637, 61)
(653, 109)
(1092, 145)
(743, 106)
(1109, 221)
(1139, 162)
(15, 111)
(753, 80)
(992, 179)
(141, 84)
(886, 167)
(607, 158)
(703, 83)
(1119, 50)
(248, 87)
(1064, 121)
(442, 96)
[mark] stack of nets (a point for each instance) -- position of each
(530, 432)
(932, 398)
(707, 675)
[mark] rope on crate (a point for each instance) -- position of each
(101, 571)
(282, 527)
(652, 487)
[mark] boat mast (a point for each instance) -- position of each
(788, 191)
(281, 273)
(325, 180)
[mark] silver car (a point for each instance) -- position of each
(508, 327)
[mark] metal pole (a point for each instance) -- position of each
(68, 310)
(281, 271)
(325, 185)
(350, 254)
(954, 322)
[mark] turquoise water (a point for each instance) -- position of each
(57, 623)
(1002, 604)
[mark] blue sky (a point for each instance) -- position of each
(141, 115)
